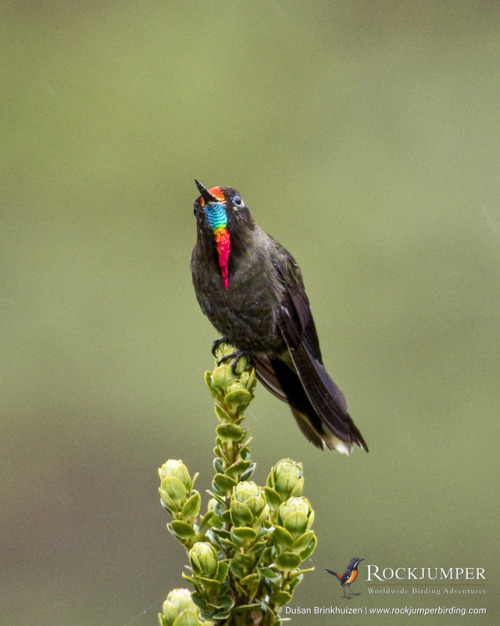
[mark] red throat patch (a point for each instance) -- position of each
(223, 243)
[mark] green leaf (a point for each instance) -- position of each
(222, 415)
(251, 380)
(181, 530)
(241, 564)
(221, 532)
(244, 533)
(220, 615)
(241, 514)
(263, 533)
(167, 503)
(191, 508)
(302, 542)
(194, 479)
(282, 538)
(237, 569)
(309, 550)
(212, 586)
(208, 383)
(272, 574)
(273, 498)
(267, 556)
(295, 522)
(300, 573)
(248, 474)
(236, 469)
(245, 451)
(281, 597)
(237, 400)
(218, 465)
(225, 602)
(288, 561)
(251, 583)
(223, 483)
(206, 519)
(186, 618)
(223, 571)
(174, 488)
(218, 497)
(230, 432)
(256, 550)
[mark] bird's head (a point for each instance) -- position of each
(220, 207)
(354, 562)
(221, 217)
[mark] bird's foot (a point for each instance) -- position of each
(354, 593)
(217, 343)
(236, 356)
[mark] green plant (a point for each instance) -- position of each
(246, 550)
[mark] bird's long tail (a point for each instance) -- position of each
(316, 402)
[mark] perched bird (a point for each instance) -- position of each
(348, 577)
(251, 289)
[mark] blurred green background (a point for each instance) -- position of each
(365, 137)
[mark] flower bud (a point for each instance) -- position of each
(179, 605)
(296, 516)
(176, 468)
(204, 560)
(286, 478)
(248, 505)
(176, 484)
(212, 507)
(223, 376)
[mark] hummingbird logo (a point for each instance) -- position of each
(348, 577)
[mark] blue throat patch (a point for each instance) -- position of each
(216, 215)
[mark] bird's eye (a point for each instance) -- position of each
(237, 200)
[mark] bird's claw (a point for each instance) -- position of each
(217, 343)
(236, 356)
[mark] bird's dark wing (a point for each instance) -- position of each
(345, 576)
(266, 374)
(299, 332)
(282, 381)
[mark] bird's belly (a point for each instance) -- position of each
(245, 315)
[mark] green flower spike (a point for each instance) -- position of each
(176, 485)
(284, 481)
(292, 537)
(210, 580)
(204, 560)
(296, 515)
(232, 391)
(248, 505)
(179, 610)
(246, 548)
(180, 499)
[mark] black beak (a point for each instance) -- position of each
(204, 192)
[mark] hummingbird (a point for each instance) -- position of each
(251, 290)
